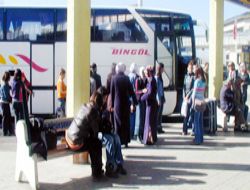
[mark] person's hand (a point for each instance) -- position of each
(100, 135)
(132, 108)
(144, 90)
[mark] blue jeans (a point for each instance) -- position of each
(187, 123)
(113, 148)
(61, 108)
(198, 127)
(159, 115)
(132, 124)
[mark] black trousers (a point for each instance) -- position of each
(6, 120)
(18, 108)
(94, 147)
(142, 115)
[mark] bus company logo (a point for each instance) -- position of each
(123, 51)
(25, 59)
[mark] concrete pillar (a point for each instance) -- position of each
(78, 54)
(216, 33)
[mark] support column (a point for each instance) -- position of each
(78, 54)
(216, 35)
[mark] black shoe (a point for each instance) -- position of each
(160, 131)
(111, 174)
(111, 171)
(97, 174)
(121, 170)
(237, 129)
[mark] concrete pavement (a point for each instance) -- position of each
(222, 162)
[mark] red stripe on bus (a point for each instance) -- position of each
(33, 64)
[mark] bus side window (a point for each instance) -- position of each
(61, 25)
(30, 24)
(116, 25)
(1, 24)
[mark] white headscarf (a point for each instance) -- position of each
(133, 68)
(243, 66)
(120, 68)
(141, 71)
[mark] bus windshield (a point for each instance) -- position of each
(174, 43)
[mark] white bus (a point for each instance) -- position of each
(33, 38)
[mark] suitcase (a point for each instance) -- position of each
(210, 117)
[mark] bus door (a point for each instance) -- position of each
(165, 54)
(184, 54)
(42, 78)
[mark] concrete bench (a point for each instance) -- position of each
(26, 164)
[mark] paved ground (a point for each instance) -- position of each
(222, 162)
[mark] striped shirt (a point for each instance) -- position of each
(199, 89)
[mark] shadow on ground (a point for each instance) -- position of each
(148, 171)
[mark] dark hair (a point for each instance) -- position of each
(97, 99)
(62, 71)
(158, 68)
(17, 74)
(6, 77)
(103, 91)
(93, 66)
(200, 72)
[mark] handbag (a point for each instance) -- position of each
(184, 108)
(199, 105)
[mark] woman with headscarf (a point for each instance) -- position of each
(140, 86)
(132, 77)
(121, 90)
(150, 129)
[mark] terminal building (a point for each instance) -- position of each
(236, 40)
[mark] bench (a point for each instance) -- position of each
(26, 164)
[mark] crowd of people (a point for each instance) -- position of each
(129, 107)
(114, 109)
(233, 96)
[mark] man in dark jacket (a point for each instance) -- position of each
(121, 90)
(96, 76)
(83, 134)
(227, 98)
(229, 105)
